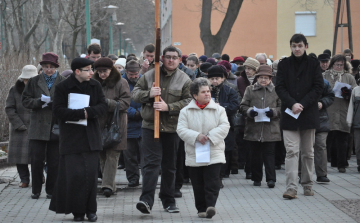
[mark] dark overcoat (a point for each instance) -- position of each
(78, 138)
(41, 120)
(116, 89)
(304, 86)
(18, 115)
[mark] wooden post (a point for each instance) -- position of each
(157, 68)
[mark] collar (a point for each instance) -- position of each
(73, 82)
(270, 87)
(168, 72)
(53, 76)
(211, 105)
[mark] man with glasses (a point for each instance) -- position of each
(76, 186)
(37, 96)
(174, 92)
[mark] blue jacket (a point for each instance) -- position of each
(134, 126)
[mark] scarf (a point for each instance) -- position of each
(50, 80)
(201, 106)
(336, 75)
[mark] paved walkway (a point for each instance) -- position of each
(239, 201)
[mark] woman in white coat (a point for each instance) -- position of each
(204, 122)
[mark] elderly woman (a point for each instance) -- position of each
(116, 89)
(37, 96)
(204, 121)
(262, 136)
(19, 118)
(339, 71)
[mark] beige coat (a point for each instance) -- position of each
(261, 97)
(339, 109)
(211, 121)
(116, 89)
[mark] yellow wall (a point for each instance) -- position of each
(254, 30)
(286, 26)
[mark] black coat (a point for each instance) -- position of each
(327, 98)
(77, 138)
(303, 85)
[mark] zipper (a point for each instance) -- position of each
(262, 124)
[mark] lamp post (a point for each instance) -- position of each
(126, 45)
(119, 24)
(88, 28)
(112, 12)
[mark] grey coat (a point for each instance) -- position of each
(41, 119)
(261, 97)
(18, 116)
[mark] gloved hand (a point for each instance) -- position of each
(253, 113)
(346, 93)
(22, 128)
(50, 104)
(269, 113)
(137, 116)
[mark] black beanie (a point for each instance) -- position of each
(205, 66)
(79, 63)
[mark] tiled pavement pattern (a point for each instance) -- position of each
(239, 201)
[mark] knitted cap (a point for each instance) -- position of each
(250, 62)
(203, 58)
(226, 64)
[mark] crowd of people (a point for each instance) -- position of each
(216, 116)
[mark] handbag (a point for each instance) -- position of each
(237, 120)
(54, 135)
(111, 133)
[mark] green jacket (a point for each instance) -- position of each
(175, 91)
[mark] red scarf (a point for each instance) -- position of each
(201, 106)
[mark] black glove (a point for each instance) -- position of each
(346, 93)
(253, 113)
(269, 113)
(50, 104)
(137, 116)
(22, 128)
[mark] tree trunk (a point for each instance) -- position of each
(216, 43)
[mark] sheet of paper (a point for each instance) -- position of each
(202, 152)
(261, 117)
(337, 88)
(289, 111)
(45, 99)
(78, 101)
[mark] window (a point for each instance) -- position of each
(305, 23)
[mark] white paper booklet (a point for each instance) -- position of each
(202, 152)
(289, 111)
(45, 99)
(78, 101)
(261, 117)
(337, 88)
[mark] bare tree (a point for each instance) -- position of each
(215, 43)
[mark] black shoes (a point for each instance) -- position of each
(322, 179)
(35, 196)
(226, 176)
(221, 184)
(271, 184)
(78, 217)
(177, 193)
(248, 176)
(107, 192)
(342, 170)
(133, 183)
(143, 207)
(358, 168)
(277, 167)
(172, 208)
(121, 166)
(186, 180)
(92, 217)
(235, 171)
(257, 183)
(48, 196)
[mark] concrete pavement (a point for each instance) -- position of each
(239, 201)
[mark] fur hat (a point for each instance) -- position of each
(205, 66)
(250, 62)
(103, 63)
(215, 71)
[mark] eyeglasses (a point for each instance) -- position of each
(264, 78)
(338, 64)
(85, 70)
(168, 57)
(48, 68)
(102, 71)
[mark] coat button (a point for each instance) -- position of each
(163, 89)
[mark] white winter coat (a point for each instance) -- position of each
(211, 121)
